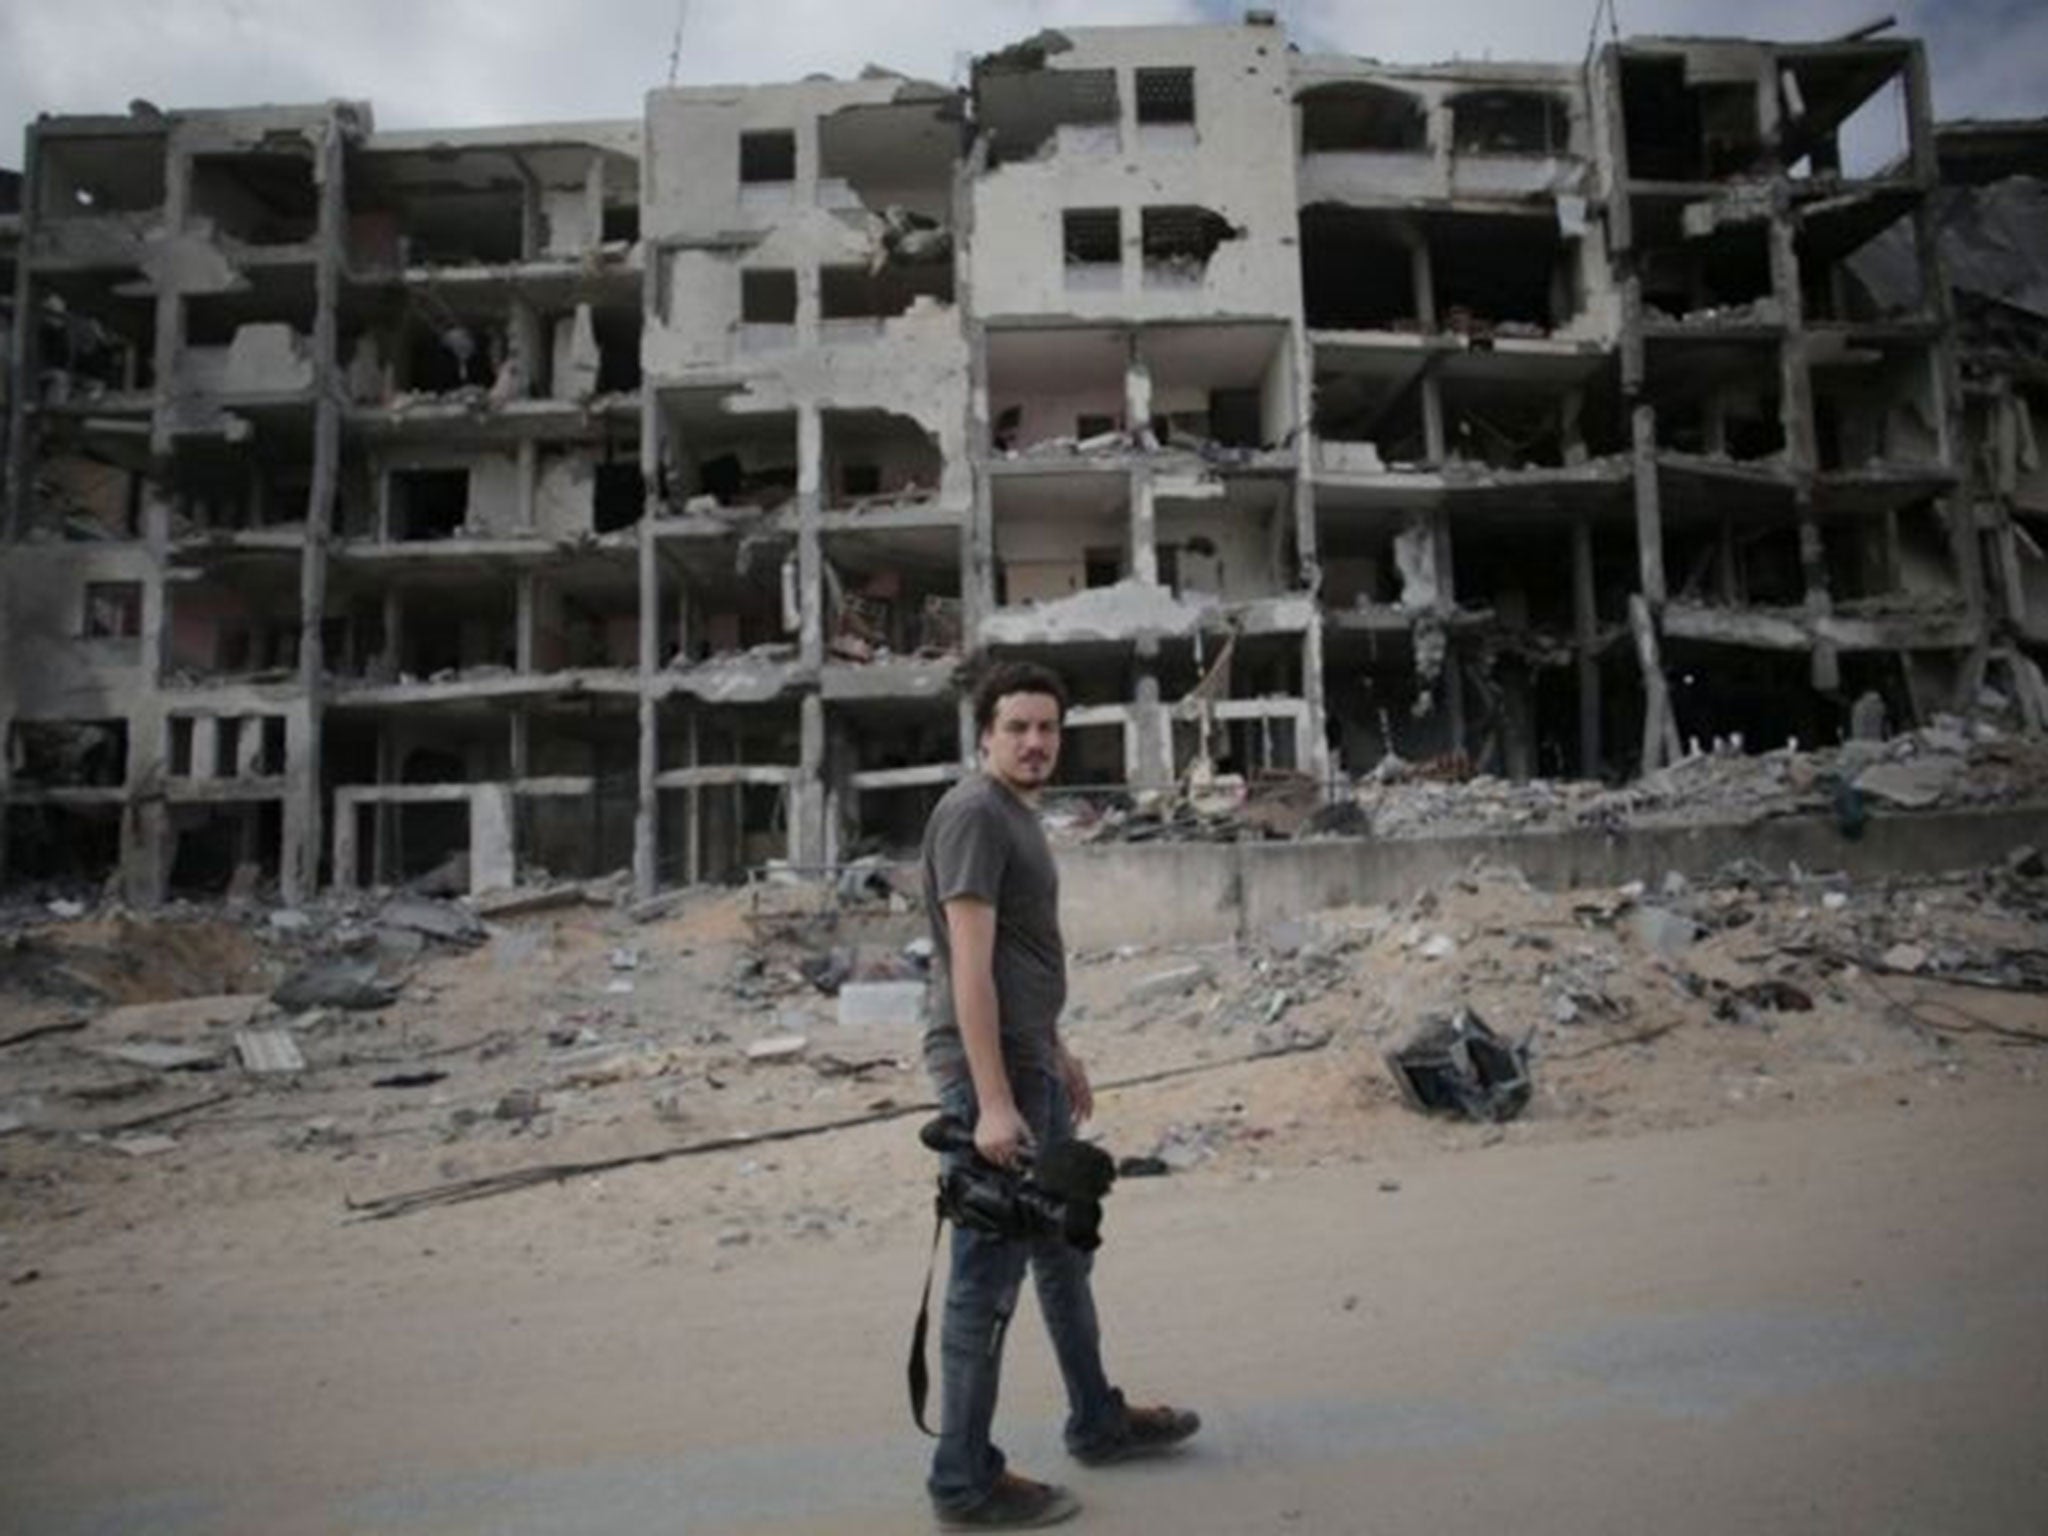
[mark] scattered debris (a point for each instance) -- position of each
(160, 1056)
(1663, 932)
(778, 1048)
(435, 919)
(347, 984)
(521, 1104)
(1178, 982)
(1456, 1064)
(146, 1145)
(897, 1004)
(524, 902)
(422, 1079)
(267, 1052)
(37, 1031)
(1905, 957)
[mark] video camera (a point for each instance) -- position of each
(1057, 1195)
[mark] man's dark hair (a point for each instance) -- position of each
(999, 682)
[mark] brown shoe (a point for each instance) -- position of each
(1146, 1431)
(1014, 1504)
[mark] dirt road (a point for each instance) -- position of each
(1834, 1322)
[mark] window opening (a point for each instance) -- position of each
(768, 156)
(1166, 96)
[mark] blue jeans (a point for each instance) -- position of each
(981, 1293)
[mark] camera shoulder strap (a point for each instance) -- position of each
(920, 1375)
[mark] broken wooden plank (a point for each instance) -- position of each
(37, 1031)
(385, 1207)
(159, 1056)
(159, 1116)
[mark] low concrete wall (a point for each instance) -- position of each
(1190, 893)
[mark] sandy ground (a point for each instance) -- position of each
(1740, 1266)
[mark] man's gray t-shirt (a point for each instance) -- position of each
(983, 841)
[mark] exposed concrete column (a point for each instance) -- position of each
(526, 345)
(493, 858)
(693, 827)
(1423, 277)
(842, 799)
(807, 802)
(1586, 636)
(970, 738)
(519, 744)
(531, 209)
(343, 874)
(977, 540)
(1143, 526)
(528, 476)
(205, 747)
(593, 198)
(299, 858)
(810, 458)
(647, 807)
(170, 299)
(1312, 752)
(524, 619)
(1137, 386)
(1443, 557)
(17, 447)
(1649, 508)
(1795, 408)
(1442, 136)
(646, 817)
(394, 629)
(1150, 738)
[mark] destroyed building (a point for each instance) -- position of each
(572, 497)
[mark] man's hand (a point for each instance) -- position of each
(1079, 1091)
(1000, 1133)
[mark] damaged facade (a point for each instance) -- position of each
(566, 497)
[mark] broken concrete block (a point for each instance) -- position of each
(521, 1104)
(778, 1048)
(867, 1004)
(1904, 957)
(158, 1056)
(435, 919)
(183, 1017)
(1177, 982)
(1456, 1064)
(144, 1144)
(1665, 932)
(517, 903)
(351, 984)
(265, 1051)
(2027, 862)
(1912, 785)
(1439, 946)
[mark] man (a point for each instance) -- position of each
(994, 1050)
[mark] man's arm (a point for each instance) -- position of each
(999, 1131)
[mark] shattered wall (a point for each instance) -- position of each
(1221, 165)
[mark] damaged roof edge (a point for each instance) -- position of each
(597, 132)
(1025, 57)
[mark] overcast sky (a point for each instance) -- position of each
(456, 63)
